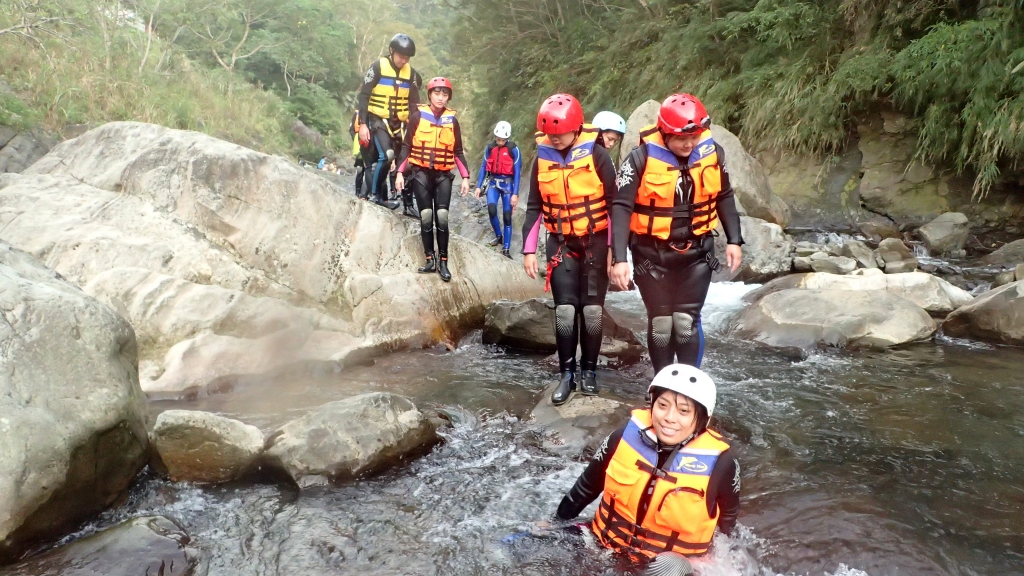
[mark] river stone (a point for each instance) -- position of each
(902, 266)
(350, 438)
(879, 228)
(860, 252)
(896, 258)
(933, 294)
(1018, 272)
(842, 318)
(946, 234)
(766, 252)
(72, 415)
(147, 546)
(805, 248)
(834, 265)
(23, 150)
(801, 264)
(818, 256)
(580, 424)
(203, 447)
(997, 315)
(1009, 254)
(1003, 278)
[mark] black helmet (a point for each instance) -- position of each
(404, 45)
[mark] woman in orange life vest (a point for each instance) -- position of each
(666, 481)
(673, 190)
(432, 147)
(571, 184)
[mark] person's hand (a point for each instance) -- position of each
(530, 265)
(364, 135)
(609, 264)
(464, 189)
(515, 201)
(477, 193)
(399, 181)
(619, 275)
(733, 256)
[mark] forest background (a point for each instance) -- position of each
(783, 74)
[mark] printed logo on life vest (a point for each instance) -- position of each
(706, 149)
(577, 154)
(692, 464)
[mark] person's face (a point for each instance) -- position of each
(501, 141)
(682, 144)
(674, 417)
(562, 141)
(438, 97)
(611, 138)
(400, 60)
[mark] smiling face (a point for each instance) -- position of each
(674, 417)
(682, 144)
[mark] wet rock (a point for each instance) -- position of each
(834, 265)
(895, 257)
(18, 151)
(147, 546)
(842, 318)
(72, 415)
(203, 447)
(1009, 254)
(945, 234)
(860, 252)
(350, 438)
(879, 228)
(802, 264)
(933, 294)
(1004, 278)
(997, 315)
(579, 425)
(766, 252)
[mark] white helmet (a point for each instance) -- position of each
(503, 130)
(688, 381)
(610, 121)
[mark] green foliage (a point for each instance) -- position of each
(14, 112)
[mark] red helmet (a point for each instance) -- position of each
(683, 114)
(560, 114)
(439, 82)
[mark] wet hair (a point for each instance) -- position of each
(702, 417)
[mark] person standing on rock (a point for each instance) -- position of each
(357, 153)
(665, 479)
(390, 90)
(571, 185)
(432, 147)
(673, 192)
(612, 128)
(500, 170)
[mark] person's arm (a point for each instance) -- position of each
(724, 491)
(403, 156)
(728, 214)
(531, 226)
(482, 174)
(606, 173)
(517, 163)
(460, 155)
(369, 81)
(416, 82)
(590, 484)
(622, 206)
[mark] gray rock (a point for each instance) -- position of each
(805, 248)
(150, 545)
(834, 265)
(842, 318)
(766, 252)
(946, 234)
(203, 447)
(350, 438)
(24, 150)
(581, 424)
(894, 250)
(997, 315)
(818, 256)
(1009, 254)
(1004, 278)
(879, 228)
(1018, 272)
(802, 264)
(860, 252)
(901, 266)
(72, 415)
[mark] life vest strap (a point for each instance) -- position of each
(655, 471)
(642, 539)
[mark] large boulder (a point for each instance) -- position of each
(147, 546)
(841, 318)
(349, 438)
(766, 252)
(946, 234)
(203, 447)
(748, 177)
(19, 150)
(997, 315)
(189, 236)
(72, 415)
(935, 295)
(1009, 254)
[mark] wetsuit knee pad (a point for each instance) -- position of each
(506, 217)
(442, 218)
(565, 319)
(682, 324)
(390, 154)
(661, 330)
(669, 564)
(427, 218)
(592, 316)
(492, 210)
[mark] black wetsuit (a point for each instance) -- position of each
(359, 165)
(385, 134)
(723, 486)
(671, 277)
(580, 280)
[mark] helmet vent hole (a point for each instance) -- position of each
(693, 379)
(675, 372)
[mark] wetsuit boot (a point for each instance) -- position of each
(566, 388)
(588, 383)
(498, 241)
(506, 254)
(428, 268)
(409, 211)
(442, 269)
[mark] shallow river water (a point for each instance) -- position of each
(901, 462)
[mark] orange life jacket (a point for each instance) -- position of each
(677, 518)
(655, 205)
(572, 194)
(433, 143)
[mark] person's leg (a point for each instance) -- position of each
(442, 199)
(692, 278)
(593, 288)
(421, 185)
(653, 281)
(385, 154)
(359, 176)
(369, 154)
(565, 290)
(506, 216)
(493, 194)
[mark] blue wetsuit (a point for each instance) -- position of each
(503, 187)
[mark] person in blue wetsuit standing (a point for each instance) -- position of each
(500, 170)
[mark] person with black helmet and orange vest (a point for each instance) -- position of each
(673, 192)
(391, 89)
(572, 183)
(432, 147)
(666, 480)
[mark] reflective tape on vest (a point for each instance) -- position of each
(572, 194)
